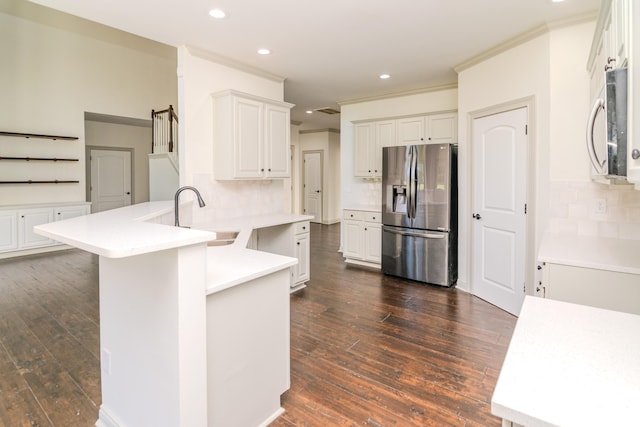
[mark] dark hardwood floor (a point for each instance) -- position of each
(366, 349)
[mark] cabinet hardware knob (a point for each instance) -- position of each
(269, 169)
(298, 243)
(635, 154)
(262, 170)
(374, 217)
(304, 228)
(369, 170)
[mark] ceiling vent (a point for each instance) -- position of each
(327, 110)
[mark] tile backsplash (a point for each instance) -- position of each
(231, 199)
(591, 209)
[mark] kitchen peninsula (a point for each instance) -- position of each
(193, 331)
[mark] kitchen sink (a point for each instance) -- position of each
(223, 238)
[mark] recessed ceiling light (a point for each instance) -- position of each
(557, 1)
(264, 51)
(217, 13)
(384, 76)
(309, 112)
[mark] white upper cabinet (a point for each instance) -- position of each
(251, 137)
(431, 129)
(365, 151)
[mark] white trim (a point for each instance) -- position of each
(447, 86)
(105, 419)
(273, 416)
(228, 62)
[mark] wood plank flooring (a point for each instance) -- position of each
(367, 349)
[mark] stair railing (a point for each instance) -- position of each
(164, 138)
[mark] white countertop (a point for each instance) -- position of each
(123, 232)
(591, 252)
(570, 365)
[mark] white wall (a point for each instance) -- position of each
(138, 138)
(198, 77)
(54, 69)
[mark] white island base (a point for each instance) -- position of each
(191, 335)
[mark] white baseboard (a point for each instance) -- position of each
(34, 251)
(272, 418)
(105, 419)
(363, 263)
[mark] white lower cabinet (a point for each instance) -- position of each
(8, 230)
(362, 240)
(17, 222)
(301, 270)
(27, 219)
(611, 290)
(289, 240)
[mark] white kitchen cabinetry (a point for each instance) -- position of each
(8, 230)
(301, 270)
(362, 241)
(17, 222)
(611, 290)
(290, 240)
(27, 219)
(251, 137)
(430, 129)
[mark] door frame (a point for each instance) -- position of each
(87, 162)
(303, 186)
(529, 258)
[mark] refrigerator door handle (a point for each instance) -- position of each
(415, 234)
(412, 181)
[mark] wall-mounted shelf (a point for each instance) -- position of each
(44, 159)
(55, 181)
(35, 135)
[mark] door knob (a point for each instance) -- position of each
(476, 216)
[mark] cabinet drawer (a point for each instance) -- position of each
(302, 227)
(355, 215)
(372, 216)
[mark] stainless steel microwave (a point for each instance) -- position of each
(607, 127)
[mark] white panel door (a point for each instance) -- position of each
(302, 253)
(313, 186)
(411, 131)
(110, 179)
(499, 196)
(29, 218)
(277, 142)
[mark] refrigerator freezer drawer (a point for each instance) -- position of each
(424, 256)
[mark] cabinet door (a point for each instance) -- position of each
(27, 219)
(364, 139)
(277, 158)
(442, 128)
(411, 131)
(302, 253)
(248, 136)
(8, 230)
(373, 242)
(620, 32)
(68, 212)
(352, 239)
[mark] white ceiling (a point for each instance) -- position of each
(334, 50)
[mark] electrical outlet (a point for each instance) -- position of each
(600, 206)
(106, 361)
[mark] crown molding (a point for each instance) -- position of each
(228, 62)
(399, 94)
(523, 38)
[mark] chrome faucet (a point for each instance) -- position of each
(177, 195)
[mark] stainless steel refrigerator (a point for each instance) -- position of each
(420, 213)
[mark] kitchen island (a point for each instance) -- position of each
(570, 365)
(191, 333)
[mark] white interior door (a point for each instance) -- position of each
(110, 179)
(313, 185)
(499, 148)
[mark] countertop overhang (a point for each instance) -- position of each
(570, 364)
